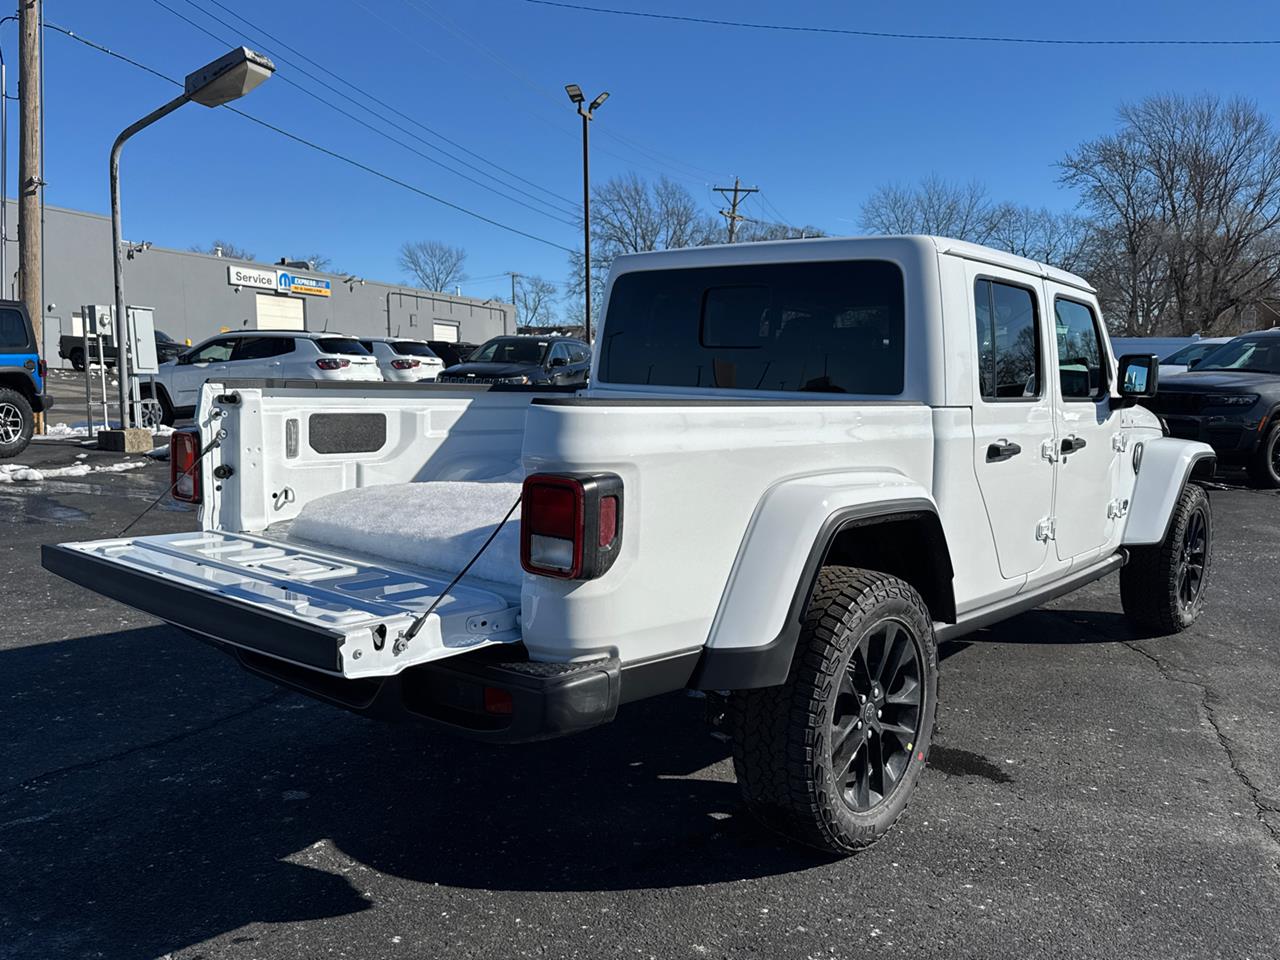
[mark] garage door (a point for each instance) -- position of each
(448, 332)
(281, 313)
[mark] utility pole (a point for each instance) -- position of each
(740, 193)
(30, 183)
(514, 310)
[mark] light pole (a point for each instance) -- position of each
(228, 78)
(588, 114)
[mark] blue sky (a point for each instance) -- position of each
(816, 121)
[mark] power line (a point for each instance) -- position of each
(365, 93)
(382, 133)
(317, 147)
(887, 35)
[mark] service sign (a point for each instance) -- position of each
(251, 277)
(296, 283)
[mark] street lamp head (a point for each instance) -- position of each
(228, 78)
(575, 92)
(599, 100)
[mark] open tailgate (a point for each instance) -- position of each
(306, 606)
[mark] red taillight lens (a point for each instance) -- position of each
(498, 701)
(184, 475)
(404, 364)
(44, 369)
(570, 524)
(329, 363)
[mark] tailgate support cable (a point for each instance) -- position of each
(403, 640)
(182, 476)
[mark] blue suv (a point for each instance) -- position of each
(22, 375)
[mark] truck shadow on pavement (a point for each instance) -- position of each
(152, 795)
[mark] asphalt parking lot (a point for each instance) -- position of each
(1090, 794)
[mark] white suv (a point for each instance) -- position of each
(274, 354)
(404, 360)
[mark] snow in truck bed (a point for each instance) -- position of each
(439, 525)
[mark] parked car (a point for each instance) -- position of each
(71, 348)
(1184, 357)
(1159, 346)
(452, 352)
(22, 374)
(541, 361)
(403, 360)
(275, 354)
(798, 467)
(1230, 400)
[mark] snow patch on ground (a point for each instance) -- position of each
(437, 524)
(20, 473)
(69, 431)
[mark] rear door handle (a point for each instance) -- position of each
(1002, 450)
(1073, 444)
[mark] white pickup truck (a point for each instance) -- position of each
(797, 468)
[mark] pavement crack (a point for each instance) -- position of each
(1261, 807)
(84, 765)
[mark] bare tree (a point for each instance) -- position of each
(1189, 191)
(754, 231)
(319, 262)
(224, 248)
(535, 301)
(432, 264)
(1052, 237)
(935, 206)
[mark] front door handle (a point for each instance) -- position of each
(1002, 450)
(1073, 444)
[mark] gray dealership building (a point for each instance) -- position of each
(196, 295)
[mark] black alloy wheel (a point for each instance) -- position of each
(876, 722)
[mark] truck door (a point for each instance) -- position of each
(1013, 415)
(1085, 503)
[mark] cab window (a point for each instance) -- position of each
(260, 348)
(1081, 369)
(13, 331)
(1009, 361)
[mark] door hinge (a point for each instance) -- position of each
(1117, 508)
(1049, 450)
(1047, 529)
(1120, 442)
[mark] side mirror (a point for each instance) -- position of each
(1139, 376)
(558, 361)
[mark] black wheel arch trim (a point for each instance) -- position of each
(767, 665)
(1200, 467)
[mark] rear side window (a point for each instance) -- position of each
(1008, 341)
(1080, 366)
(259, 348)
(13, 331)
(341, 345)
(825, 327)
(215, 351)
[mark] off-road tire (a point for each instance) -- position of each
(77, 359)
(18, 422)
(1151, 583)
(783, 735)
(1264, 467)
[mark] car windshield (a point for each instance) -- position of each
(1260, 355)
(411, 348)
(341, 345)
(511, 350)
(1190, 353)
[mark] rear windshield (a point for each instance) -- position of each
(829, 327)
(511, 350)
(341, 345)
(411, 348)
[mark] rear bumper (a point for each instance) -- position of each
(486, 695)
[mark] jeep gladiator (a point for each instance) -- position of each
(798, 467)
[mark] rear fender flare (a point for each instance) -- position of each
(754, 633)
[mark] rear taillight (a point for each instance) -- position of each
(184, 475)
(570, 524)
(404, 364)
(43, 369)
(329, 363)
